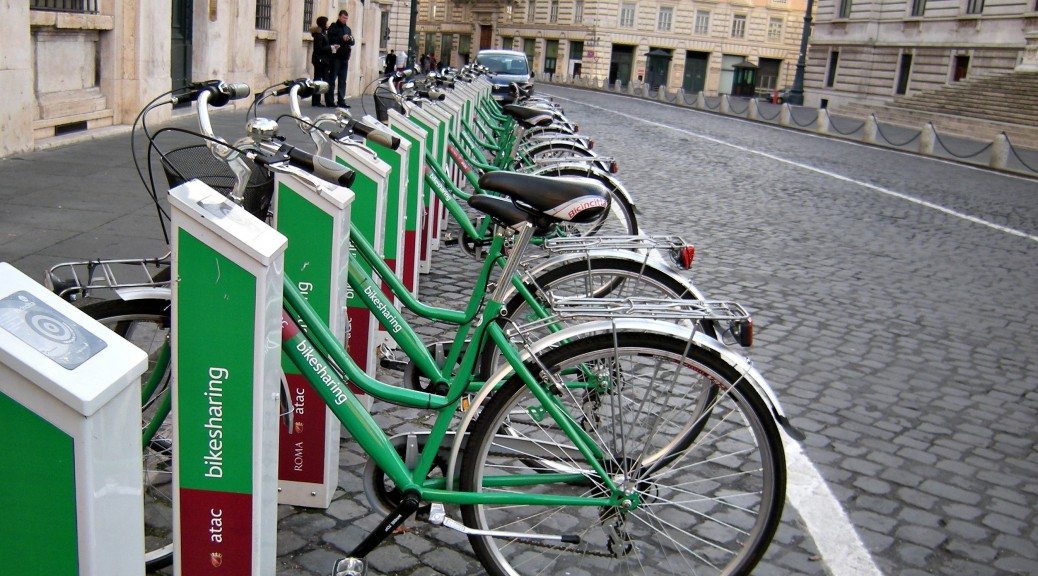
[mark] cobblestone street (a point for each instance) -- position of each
(894, 310)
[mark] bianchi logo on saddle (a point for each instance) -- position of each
(570, 209)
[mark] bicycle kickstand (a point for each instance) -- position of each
(353, 565)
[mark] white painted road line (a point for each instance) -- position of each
(873, 187)
(839, 545)
(841, 549)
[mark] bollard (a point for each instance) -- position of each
(822, 121)
(415, 137)
(314, 216)
(785, 115)
(724, 107)
(927, 139)
(1000, 152)
(227, 306)
(680, 98)
(700, 100)
(661, 94)
(70, 403)
(870, 129)
(751, 109)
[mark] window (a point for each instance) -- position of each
(551, 56)
(576, 50)
(263, 14)
(434, 11)
(578, 12)
(775, 29)
(627, 15)
(89, 6)
(531, 10)
(830, 74)
(845, 9)
(903, 74)
(383, 34)
(665, 18)
(308, 14)
(918, 7)
(739, 26)
(961, 68)
(506, 42)
(974, 6)
(702, 22)
(553, 14)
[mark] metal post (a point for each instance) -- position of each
(796, 95)
(412, 35)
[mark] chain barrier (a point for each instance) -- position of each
(742, 112)
(793, 118)
(879, 131)
(647, 92)
(961, 157)
(760, 112)
(1017, 155)
(832, 125)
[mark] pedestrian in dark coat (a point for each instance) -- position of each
(340, 36)
(321, 58)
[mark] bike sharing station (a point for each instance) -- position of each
(70, 402)
(436, 153)
(314, 216)
(415, 136)
(369, 210)
(227, 264)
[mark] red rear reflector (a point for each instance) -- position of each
(688, 254)
(744, 333)
(614, 167)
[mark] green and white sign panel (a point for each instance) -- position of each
(315, 217)
(436, 145)
(227, 303)
(415, 205)
(70, 403)
(369, 218)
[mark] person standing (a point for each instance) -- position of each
(341, 38)
(390, 63)
(322, 60)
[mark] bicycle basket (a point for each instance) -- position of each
(385, 101)
(197, 162)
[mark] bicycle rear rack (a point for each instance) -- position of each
(75, 280)
(649, 308)
(680, 252)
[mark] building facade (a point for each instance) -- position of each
(72, 66)
(694, 45)
(871, 51)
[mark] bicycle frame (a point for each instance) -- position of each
(316, 353)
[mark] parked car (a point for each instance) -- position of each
(506, 67)
(774, 96)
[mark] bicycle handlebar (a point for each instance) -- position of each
(324, 168)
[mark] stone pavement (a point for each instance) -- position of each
(899, 336)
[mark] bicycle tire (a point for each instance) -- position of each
(146, 324)
(729, 482)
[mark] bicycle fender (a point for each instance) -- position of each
(543, 265)
(740, 363)
(145, 293)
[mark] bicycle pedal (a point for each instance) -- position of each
(450, 240)
(348, 567)
(392, 364)
(423, 513)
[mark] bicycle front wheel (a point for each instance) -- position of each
(146, 324)
(708, 484)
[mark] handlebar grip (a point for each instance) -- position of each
(376, 135)
(237, 90)
(321, 167)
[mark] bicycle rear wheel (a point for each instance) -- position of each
(709, 484)
(146, 324)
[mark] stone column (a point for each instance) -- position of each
(16, 107)
(135, 58)
(1029, 55)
